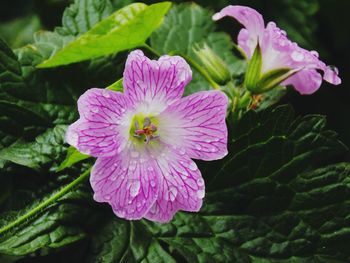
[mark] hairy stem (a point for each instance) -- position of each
(64, 190)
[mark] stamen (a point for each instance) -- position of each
(148, 130)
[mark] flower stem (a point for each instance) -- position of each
(232, 89)
(64, 190)
(150, 49)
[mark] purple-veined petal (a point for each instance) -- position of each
(251, 20)
(181, 187)
(128, 182)
(196, 125)
(98, 131)
(155, 81)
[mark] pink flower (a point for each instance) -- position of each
(144, 139)
(278, 51)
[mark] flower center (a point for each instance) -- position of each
(147, 132)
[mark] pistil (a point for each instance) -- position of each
(147, 130)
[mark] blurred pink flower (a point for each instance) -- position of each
(278, 51)
(144, 139)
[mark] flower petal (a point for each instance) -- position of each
(181, 187)
(305, 82)
(196, 124)
(130, 185)
(150, 80)
(251, 20)
(97, 132)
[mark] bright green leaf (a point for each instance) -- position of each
(127, 28)
(73, 157)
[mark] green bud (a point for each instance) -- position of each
(214, 65)
(273, 78)
(253, 73)
(257, 82)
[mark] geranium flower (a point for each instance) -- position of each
(144, 139)
(278, 51)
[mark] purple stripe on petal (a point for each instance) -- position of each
(98, 131)
(181, 187)
(129, 184)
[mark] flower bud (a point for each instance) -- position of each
(214, 65)
(258, 82)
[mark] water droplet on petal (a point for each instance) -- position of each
(208, 140)
(297, 56)
(103, 144)
(95, 110)
(108, 197)
(138, 204)
(200, 182)
(213, 149)
(198, 146)
(200, 193)
(172, 193)
(113, 177)
(193, 166)
(184, 173)
(153, 183)
(105, 93)
(134, 188)
(182, 151)
(314, 53)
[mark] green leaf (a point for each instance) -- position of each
(253, 73)
(58, 225)
(47, 149)
(194, 25)
(117, 86)
(120, 31)
(73, 157)
(273, 78)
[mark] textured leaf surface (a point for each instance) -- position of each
(59, 225)
(127, 28)
(46, 150)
